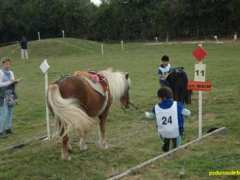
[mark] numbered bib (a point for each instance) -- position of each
(167, 121)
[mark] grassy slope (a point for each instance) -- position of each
(133, 138)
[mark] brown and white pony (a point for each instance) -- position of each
(76, 105)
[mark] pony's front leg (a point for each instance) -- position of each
(102, 139)
(65, 153)
(82, 144)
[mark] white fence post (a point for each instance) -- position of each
(44, 67)
(39, 37)
(102, 50)
(122, 45)
(46, 104)
(167, 38)
(63, 34)
(200, 114)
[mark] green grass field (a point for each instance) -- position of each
(133, 138)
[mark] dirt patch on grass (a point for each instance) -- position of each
(210, 116)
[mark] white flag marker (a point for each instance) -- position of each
(44, 68)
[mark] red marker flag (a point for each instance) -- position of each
(199, 53)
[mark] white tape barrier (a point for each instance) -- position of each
(145, 163)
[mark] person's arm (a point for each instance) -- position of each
(180, 108)
(159, 73)
(12, 76)
(154, 116)
(151, 114)
(186, 112)
(6, 83)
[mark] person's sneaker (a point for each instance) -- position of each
(9, 131)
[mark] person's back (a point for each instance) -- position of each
(169, 116)
(23, 43)
(24, 47)
(167, 120)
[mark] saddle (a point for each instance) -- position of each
(97, 81)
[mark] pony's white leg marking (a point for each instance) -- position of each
(99, 134)
(65, 157)
(69, 146)
(82, 144)
(101, 139)
(105, 144)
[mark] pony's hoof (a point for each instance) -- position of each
(103, 145)
(83, 147)
(66, 158)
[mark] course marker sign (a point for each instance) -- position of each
(44, 68)
(199, 53)
(199, 86)
(200, 72)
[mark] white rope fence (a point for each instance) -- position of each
(145, 163)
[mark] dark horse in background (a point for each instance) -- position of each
(177, 80)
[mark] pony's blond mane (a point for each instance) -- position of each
(117, 82)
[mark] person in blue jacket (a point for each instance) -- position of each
(169, 116)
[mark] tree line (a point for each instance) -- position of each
(119, 19)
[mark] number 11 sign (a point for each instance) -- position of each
(200, 72)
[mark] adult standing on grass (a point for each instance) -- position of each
(24, 48)
(7, 97)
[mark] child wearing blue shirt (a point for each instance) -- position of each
(169, 116)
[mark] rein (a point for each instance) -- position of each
(133, 105)
(136, 108)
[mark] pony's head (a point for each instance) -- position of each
(119, 85)
(125, 98)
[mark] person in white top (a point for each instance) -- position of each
(164, 70)
(7, 97)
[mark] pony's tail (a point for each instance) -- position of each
(68, 113)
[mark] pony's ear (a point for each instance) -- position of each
(126, 75)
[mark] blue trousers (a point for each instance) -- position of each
(6, 115)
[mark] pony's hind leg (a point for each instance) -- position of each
(101, 133)
(65, 153)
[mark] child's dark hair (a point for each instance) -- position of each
(165, 58)
(6, 59)
(165, 93)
